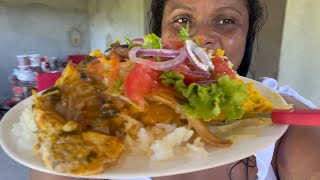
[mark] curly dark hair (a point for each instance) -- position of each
(256, 20)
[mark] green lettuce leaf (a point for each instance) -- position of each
(234, 95)
(207, 102)
(152, 41)
(171, 78)
(203, 102)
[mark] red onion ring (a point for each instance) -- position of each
(138, 41)
(191, 49)
(206, 82)
(163, 65)
(183, 68)
(204, 57)
(159, 52)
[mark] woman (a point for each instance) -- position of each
(232, 25)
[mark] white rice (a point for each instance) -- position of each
(165, 141)
(25, 130)
(145, 139)
(197, 150)
(167, 127)
(165, 148)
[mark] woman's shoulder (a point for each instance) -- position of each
(296, 155)
(294, 102)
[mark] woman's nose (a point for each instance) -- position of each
(210, 44)
(210, 38)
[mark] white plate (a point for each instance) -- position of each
(248, 142)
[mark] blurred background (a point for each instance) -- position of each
(39, 36)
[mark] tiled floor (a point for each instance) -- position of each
(10, 170)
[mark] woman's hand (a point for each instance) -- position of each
(298, 154)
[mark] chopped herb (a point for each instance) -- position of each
(129, 43)
(184, 32)
(196, 40)
(118, 85)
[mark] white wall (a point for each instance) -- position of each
(39, 26)
(115, 19)
(267, 53)
(300, 59)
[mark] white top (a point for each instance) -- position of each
(264, 158)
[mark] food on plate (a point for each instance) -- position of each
(154, 96)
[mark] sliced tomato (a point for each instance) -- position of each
(177, 43)
(192, 75)
(141, 82)
(200, 39)
(188, 79)
(172, 44)
(221, 68)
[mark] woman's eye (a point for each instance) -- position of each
(226, 21)
(183, 20)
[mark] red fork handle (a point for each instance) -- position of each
(310, 117)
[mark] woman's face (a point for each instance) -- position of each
(223, 23)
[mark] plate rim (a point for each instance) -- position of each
(5, 120)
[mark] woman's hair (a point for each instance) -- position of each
(255, 8)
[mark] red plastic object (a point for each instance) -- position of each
(47, 80)
(310, 117)
(76, 58)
